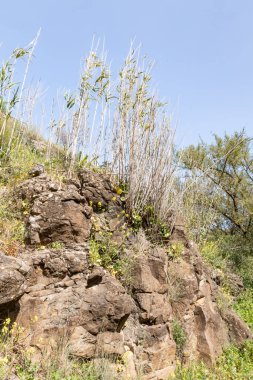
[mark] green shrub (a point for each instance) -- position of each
(236, 363)
(244, 307)
(224, 300)
(175, 250)
(104, 252)
(12, 227)
(230, 253)
(179, 336)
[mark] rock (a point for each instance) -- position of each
(71, 305)
(82, 344)
(97, 188)
(110, 343)
(155, 308)
(158, 348)
(238, 330)
(56, 214)
(37, 170)
(13, 282)
(95, 277)
(149, 273)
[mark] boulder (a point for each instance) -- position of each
(13, 278)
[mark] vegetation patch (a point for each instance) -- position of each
(236, 363)
(244, 307)
(175, 250)
(12, 226)
(179, 336)
(106, 253)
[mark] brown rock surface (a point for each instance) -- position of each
(13, 274)
(57, 213)
(59, 301)
(61, 297)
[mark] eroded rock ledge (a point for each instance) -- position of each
(61, 297)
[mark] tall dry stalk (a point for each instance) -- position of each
(142, 142)
(19, 53)
(118, 122)
(121, 123)
(11, 98)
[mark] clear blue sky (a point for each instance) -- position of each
(203, 51)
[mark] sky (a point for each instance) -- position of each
(203, 51)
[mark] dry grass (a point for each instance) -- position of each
(117, 122)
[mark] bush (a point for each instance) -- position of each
(179, 336)
(12, 227)
(244, 306)
(235, 364)
(106, 253)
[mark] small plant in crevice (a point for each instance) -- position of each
(224, 300)
(175, 250)
(176, 285)
(136, 221)
(104, 252)
(156, 230)
(56, 245)
(116, 258)
(179, 336)
(98, 207)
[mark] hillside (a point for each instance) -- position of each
(90, 285)
(121, 256)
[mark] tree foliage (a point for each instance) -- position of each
(226, 166)
(218, 200)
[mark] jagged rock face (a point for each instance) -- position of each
(67, 299)
(96, 188)
(63, 298)
(58, 213)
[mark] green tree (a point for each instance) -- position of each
(226, 166)
(218, 199)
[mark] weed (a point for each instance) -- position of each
(244, 306)
(105, 252)
(176, 285)
(12, 228)
(224, 300)
(175, 250)
(179, 336)
(236, 363)
(56, 245)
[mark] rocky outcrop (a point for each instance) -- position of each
(57, 213)
(62, 298)
(67, 299)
